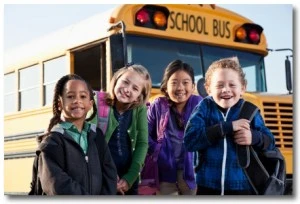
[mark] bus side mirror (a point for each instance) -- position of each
(288, 75)
(200, 87)
(118, 45)
(117, 52)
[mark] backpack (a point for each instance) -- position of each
(265, 170)
(103, 112)
(149, 175)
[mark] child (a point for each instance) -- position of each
(175, 164)
(71, 162)
(127, 128)
(215, 130)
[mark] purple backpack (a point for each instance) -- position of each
(149, 175)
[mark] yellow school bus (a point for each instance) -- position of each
(151, 35)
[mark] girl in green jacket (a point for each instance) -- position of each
(127, 126)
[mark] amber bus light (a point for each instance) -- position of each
(241, 34)
(160, 19)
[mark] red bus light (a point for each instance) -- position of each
(151, 16)
(254, 36)
(142, 16)
(248, 33)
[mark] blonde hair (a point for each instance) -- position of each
(145, 94)
(225, 63)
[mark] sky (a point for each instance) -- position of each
(25, 22)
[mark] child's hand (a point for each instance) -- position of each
(243, 137)
(241, 124)
(122, 186)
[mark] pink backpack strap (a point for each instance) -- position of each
(164, 118)
(103, 111)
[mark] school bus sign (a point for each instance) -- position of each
(200, 25)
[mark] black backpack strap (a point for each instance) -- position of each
(247, 111)
(265, 170)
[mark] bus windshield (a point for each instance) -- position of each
(155, 54)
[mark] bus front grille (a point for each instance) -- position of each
(279, 119)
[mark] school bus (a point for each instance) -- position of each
(151, 35)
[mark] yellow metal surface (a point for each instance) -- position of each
(17, 175)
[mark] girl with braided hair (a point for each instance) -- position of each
(74, 157)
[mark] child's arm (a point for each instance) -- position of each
(262, 138)
(140, 146)
(241, 124)
(243, 137)
(242, 133)
(198, 135)
(258, 135)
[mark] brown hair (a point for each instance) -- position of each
(225, 63)
(145, 94)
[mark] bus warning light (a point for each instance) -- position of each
(150, 16)
(142, 16)
(248, 33)
(241, 34)
(254, 36)
(160, 19)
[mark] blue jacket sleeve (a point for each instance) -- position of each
(262, 138)
(195, 137)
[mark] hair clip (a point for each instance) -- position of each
(129, 64)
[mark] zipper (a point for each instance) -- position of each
(86, 157)
(224, 156)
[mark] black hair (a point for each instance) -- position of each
(58, 91)
(173, 67)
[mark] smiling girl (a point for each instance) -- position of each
(127, 128)
(175, 164)
(74, 157)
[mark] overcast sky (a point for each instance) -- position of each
(25, 22)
